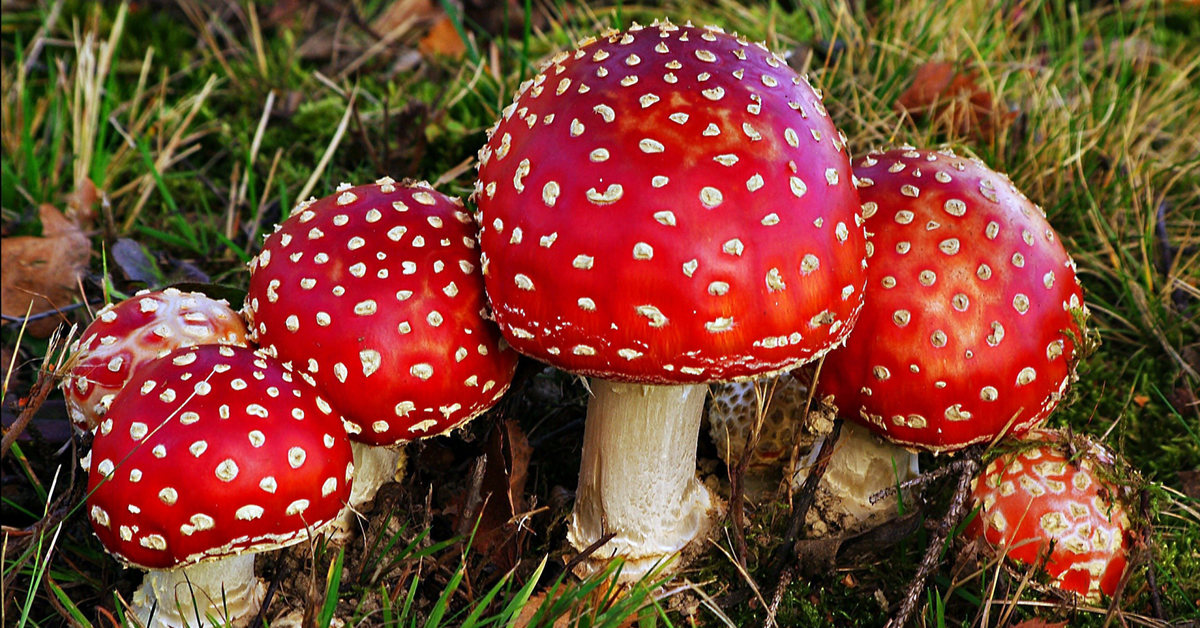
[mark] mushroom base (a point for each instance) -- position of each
(373, 467)
(862, 465)
(224, 590)
(637, 479)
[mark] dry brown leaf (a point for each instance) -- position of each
(398, 13)
(942, 93)
(507, 470)
(46, 269)
(535, 603)
(442, 39)
(1039, 623)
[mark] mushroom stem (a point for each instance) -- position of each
(862, 465)
(225, 589)
(637, 479)
(374, 466)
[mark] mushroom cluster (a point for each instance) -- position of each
(126, 335)
(662, 208)
(210, 454)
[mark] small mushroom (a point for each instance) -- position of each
(376, 293)
(128, 334)
(1058, 507)
(211, 454)
(972, 327)
(862, 464)
(662, 208)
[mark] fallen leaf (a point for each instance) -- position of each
(1141, 400)
(398, 14)
(45, 270)
(1039, 623)
(134, 263)
(503, 488)
(941, 92)
(530, 610)
(442, 39)
(1191, 482)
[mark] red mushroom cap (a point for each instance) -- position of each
(213, 451)
(1040, 499)
(376, 292)
(973, 302)
(128, 334)
(670, 205)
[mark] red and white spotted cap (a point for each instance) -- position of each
(376, 293)
(128, 334)
(972, 301)
(1043, 499)
(214, 451)
(670, 204)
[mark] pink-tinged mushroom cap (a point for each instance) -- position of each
(1041, 501)
(971, 323)
(128, 334)
(214, 451)
(376, 292)
(666, 205)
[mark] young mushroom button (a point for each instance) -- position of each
(662, 208)
(213, 453)
(974, 303)
(1044, 505)
(126, 335)
(376, 292)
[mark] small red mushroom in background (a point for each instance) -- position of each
(663, 208)
(211, 454)
(862, 464)
(376, 292)
(1045, 505)
(128, 334)
(972, 323)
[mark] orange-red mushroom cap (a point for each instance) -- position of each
(670, 204)
(1041, 501)
(376, 292)
(971, 322)
(126, 335)
(213, 451)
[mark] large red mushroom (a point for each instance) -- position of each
(973, 324)
(662, 208)
(376, 292)
(210, 454)
(128, 334)
(1054, 502)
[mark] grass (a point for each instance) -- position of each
(204, 124)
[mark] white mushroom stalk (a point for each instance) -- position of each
(637, 479)
(224, 590)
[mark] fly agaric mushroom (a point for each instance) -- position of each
(128, 334)
(376, 293)
(210, 454)
(1049, 506)
(660, 209)
(862, 464)
(974, 303)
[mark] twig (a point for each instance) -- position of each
(41, 389)
(808, 492)
(587, 552)
(737, 474)
(1151, 576)
(921, 480)
(794, 459)
(933, 552)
